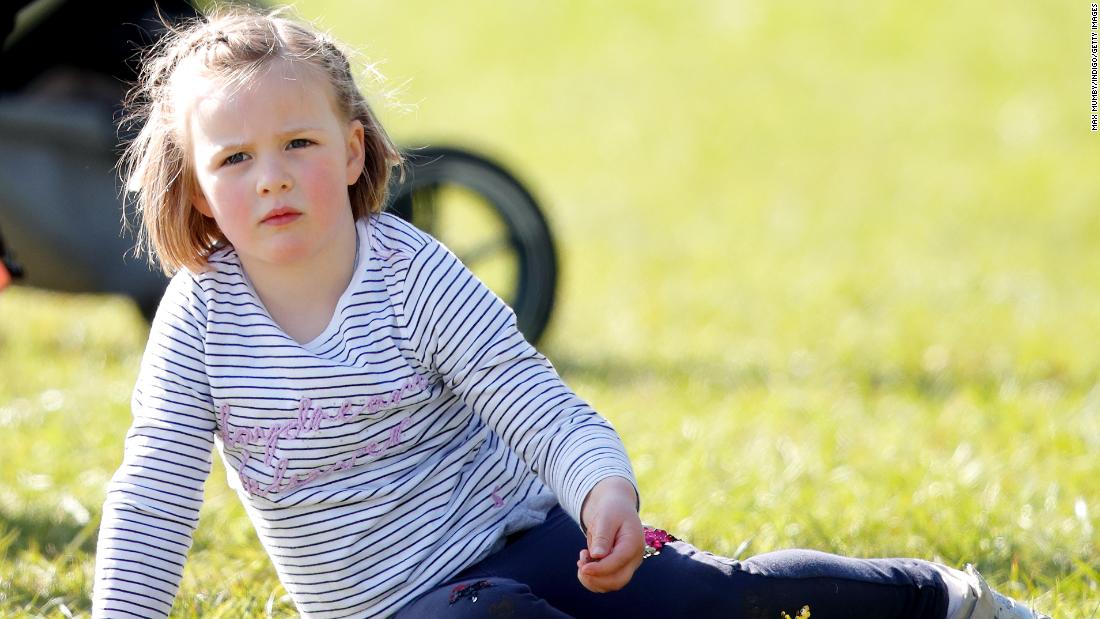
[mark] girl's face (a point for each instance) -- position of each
(273, 161)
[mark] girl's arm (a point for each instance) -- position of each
(153, 500)
(458, 327)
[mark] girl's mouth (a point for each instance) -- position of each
(281, 216)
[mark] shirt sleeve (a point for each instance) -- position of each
(153, 500)
(463, 331)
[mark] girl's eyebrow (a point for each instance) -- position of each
(296, 129)
(282, 135)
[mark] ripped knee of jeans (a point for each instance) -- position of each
(467, 590)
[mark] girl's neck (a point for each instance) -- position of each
(302, 297)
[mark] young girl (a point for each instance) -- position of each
(400, 448)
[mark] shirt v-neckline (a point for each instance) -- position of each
(334, 321)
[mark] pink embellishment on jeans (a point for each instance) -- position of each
(655, 540)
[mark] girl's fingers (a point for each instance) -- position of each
(611, 582)
(617, 567)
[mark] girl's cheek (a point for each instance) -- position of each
(233, 199)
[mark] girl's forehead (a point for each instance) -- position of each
(277, 83)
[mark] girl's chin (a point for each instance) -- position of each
(290, 253)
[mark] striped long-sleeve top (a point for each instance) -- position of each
(394, 449)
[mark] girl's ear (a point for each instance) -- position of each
(200, 203)
(356, 151)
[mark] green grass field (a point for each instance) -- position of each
(832, 273)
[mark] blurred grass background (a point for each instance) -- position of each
(831, 271)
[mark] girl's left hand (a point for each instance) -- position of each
(615, 540)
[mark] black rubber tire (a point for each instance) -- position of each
(432, 171)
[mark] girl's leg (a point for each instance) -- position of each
(683, 581)
(480, 598)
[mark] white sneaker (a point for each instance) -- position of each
(992, 605)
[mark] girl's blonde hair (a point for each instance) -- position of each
(231, 44)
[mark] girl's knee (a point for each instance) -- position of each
(487, 598)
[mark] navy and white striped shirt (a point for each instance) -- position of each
(384, 456)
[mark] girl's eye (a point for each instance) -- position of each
(299, 143)
(234, 158)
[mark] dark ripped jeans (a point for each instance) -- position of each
(534, 576)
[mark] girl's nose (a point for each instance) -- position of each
(274, 179)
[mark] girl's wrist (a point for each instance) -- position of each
(618, 485)
(609, 490)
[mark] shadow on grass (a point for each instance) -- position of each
(625, 372)
(45, 534)
(932, 385)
